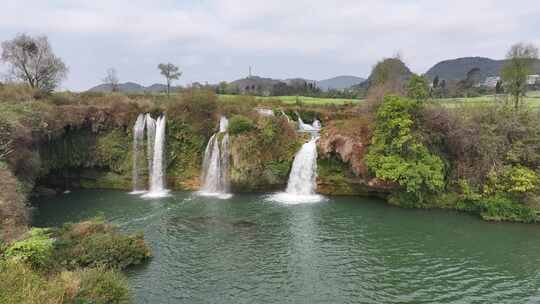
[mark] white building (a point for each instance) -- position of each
(533, 79)
(491, 81)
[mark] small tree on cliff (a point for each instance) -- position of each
(112, 79)
(32, 61)
(170, 72)
(519, 64)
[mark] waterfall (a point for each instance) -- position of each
(215, 171)
(157, 175)
(302, 179)
(155, 146)
(223, 124)
(316, 124)
(138, 137)
(151, 135)
(304, 127)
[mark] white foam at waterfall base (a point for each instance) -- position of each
(302, 179)
(157, 177)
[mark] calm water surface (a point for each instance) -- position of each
(344, 250)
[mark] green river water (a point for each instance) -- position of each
(248, 249)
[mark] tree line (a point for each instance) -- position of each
(32, 61)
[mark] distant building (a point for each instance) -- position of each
(491, 81)
(533, 79)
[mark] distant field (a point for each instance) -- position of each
(532, 100)
(302, 99)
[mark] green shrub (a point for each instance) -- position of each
(512, 179)
(397, 155)
(240, 124)
(500, 208)
(94, 243)
(36, 249)
(19, 283)
(100, 285)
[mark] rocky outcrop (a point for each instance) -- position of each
(348, 149)
(342, 171)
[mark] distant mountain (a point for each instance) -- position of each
(131, 87)
(457, 69)
(339, 82)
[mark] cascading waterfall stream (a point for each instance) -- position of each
(304, 127)
(157, 176)
(155, 153)
(302, 179)
(215, 171)
(150, 136)
(138, 138)
(304, 170)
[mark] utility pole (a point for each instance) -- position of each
(250, 71)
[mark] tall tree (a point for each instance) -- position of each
(32, 60)
(417, 88)
(519, 64)
(170, 72)
(111, 79)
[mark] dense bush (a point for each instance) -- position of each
(99, 285)
(14, 214)
(19, 283)
(240, 124)
(397, 155)
(95, 243)
(36, 249)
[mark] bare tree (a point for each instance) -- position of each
(170, 72)
(32, 60)
(519, 64)
(112, 79)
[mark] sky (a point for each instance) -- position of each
(217, 40)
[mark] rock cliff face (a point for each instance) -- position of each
(261, 158)
(342, 171)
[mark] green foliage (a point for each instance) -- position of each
(519, 64)
(240, 124)
(100, 285)
(94, 243)
(37, 249)
(111, 149)
(19, 283)
(418, 88)
(396, 153)
(279, 169)
(499, 208)
(388, 70)
(261, 158)
(512, 180)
